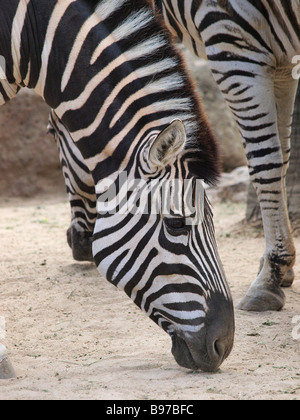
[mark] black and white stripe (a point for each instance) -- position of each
(121, 93)
(80, 188)
(250, 45)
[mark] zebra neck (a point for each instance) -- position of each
(109, 72)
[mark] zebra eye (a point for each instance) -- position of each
(176, 225)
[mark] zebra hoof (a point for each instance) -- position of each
(6, 369)
(261, 300)
(288, 279)
(81, 244)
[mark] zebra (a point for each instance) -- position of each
(252, 48)
(80, 189)
(111, 75)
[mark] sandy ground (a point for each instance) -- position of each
(71, 335)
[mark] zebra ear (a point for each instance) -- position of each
(167, 145)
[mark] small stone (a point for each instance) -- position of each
(6, 369)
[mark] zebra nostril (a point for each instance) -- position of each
(219, 349)
(199, 351)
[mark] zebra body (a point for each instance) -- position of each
(251, 47)
(118, 86)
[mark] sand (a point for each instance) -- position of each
(72, 335)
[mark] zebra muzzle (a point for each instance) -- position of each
(206, 349)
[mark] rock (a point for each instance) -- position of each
(29, 161)
(6, 369)
(231, 187)
(218, 113)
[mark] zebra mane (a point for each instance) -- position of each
(175, 81)
(201, 148)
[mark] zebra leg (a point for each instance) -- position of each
(80, 242)
(284, 88)
(80, 189)
(285, 92)
(269, 179)
(254, 93)
(79, 236)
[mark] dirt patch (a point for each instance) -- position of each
(29, 163)
(71, 335)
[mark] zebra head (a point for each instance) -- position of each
(154, 239)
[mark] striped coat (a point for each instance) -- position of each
(120, 89)
(253, 48)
